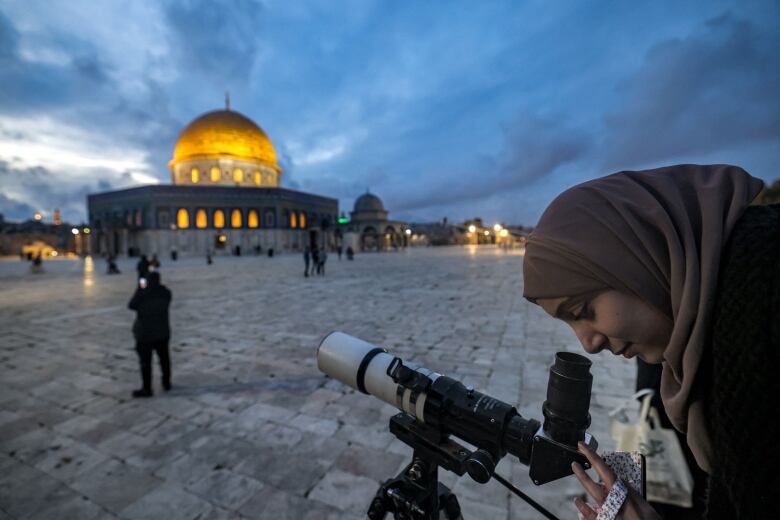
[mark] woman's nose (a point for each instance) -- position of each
(591, 340)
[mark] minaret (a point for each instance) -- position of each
(227, 100)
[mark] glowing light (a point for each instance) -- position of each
(38, 217)
(54, 253)
(472, 228)
(215, 174)
(201, 221)
(219, 219)
(75, 231)
(183, 218)
(195, 175)
(253, 221)
(87, 231)
(497, 228)
(487, 232)
(408, 231)
(222, 238)
(343, 220)
(235, 218)
(504, 233)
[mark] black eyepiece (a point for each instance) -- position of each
(565, 411)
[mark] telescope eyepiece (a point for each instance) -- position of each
(566, 416)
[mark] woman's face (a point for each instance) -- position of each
(618, 322)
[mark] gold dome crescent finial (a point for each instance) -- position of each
(227, 100)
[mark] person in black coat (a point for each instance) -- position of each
(142, 267)
(152, 331)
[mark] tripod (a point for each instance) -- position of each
(416, 493)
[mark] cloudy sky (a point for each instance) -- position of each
(455, 109)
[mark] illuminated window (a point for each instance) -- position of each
(235, 218)
(252, 219)
(302, 220)
(201, 219)
(219, 219)
(183, 218)
(215, 174)
(195, 175)
(293, 220)
(137, 218)
(238, 175)
(258, 179)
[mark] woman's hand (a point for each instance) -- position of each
(634, 508)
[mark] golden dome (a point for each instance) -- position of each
(224, 134)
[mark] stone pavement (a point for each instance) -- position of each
(252, 429)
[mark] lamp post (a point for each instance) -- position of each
(473, 234)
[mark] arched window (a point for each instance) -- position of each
(258, 178)
(195, 175)
(183, 218)
(215, 174)
(219, 219)
(235, 218)
(252, 219)
(270, 218)
(201, 219)
(238, 175)
(293, 219)
(302, 219)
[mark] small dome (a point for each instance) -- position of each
(224, 133)
(368, 202)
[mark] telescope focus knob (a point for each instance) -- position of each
(480, 466)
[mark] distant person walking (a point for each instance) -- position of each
(306, 261)
(142, 267)
(154, 263)
(339, 250)
(36, 267)
(315, 259)
(321, 263)
(151, 330)
(112, 268)
(350, 253)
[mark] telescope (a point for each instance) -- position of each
(434, 408)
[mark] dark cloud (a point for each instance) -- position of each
(714, 90)
(43, 190)
(219, 38)
(12, 209)
(534, 148)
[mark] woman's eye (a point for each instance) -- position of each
(584, 313)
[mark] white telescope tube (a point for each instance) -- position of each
(363, 366)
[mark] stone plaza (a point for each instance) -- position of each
(251, 428)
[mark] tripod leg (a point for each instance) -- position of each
(448, 503)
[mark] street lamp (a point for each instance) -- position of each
(472, 228)
(497, 228)
(75, 231)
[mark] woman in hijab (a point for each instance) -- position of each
(673, 266)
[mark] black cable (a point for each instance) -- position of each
(525, 497)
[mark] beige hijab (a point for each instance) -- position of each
(658, 235)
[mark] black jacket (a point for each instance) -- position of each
(151, 305)
(742, 386)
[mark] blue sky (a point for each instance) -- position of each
(455, 109)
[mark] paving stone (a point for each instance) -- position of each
(168, 502)
(226, 489)
(115, 485)
(345, 491)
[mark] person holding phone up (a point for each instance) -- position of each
(152, 330)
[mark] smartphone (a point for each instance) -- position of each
(142, 283)
(629, 466)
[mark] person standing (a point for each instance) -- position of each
(306, 261)
(152, 331)
(142, 267)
